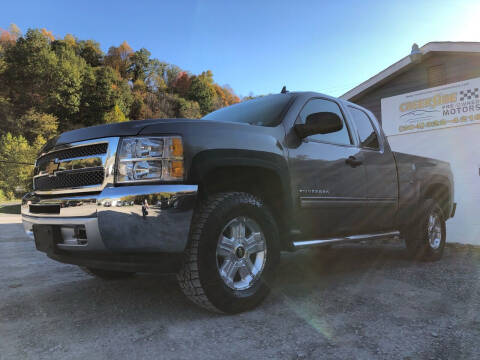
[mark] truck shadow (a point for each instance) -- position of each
(298, 274)
(95, 303)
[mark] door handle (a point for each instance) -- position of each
(353, 161)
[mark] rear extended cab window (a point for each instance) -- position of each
(366, 132)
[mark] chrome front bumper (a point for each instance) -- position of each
(114, 221)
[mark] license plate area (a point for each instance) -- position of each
(45, 209)
(46, 237)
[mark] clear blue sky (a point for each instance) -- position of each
(258, 46)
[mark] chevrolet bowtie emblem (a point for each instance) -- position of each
(52, 167)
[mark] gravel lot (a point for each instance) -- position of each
(350, 302)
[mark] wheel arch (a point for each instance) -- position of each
(439, 190)
(262, 174)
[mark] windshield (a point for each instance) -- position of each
(262, 111)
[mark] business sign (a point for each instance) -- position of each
(435, 108)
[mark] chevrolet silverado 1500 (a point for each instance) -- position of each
(217, 199)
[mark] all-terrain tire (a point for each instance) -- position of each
(199, 276)
(107, 274)
(418, 236)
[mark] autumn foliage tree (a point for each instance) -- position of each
(182, 84)
(119, 58)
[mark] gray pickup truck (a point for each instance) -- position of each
(217, 199)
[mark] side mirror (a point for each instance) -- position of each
(319, 123)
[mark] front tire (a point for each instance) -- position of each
(426, 239)
(231, 255)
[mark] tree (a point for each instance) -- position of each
(7, 119)
(29, 74)
(14, 176)
(140, 65)
(114, 116)
(203, 92)
(48, 34)
(138, 109)
(70, 40)
(171, 74)
(11, 35)
(119, 58)
(66, 86)
(90, 51)
(231, 97)
(188, 109)
(156, 78)
(34, 124)
(103, 88)
(182, 84)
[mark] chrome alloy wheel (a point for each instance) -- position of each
(434, 230)
(241, 253)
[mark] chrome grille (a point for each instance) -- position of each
(76, 167)
(70, 179)
(76, 152)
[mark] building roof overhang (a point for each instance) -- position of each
(408, 61)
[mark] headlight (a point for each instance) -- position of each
(142, 159)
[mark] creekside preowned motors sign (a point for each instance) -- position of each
(434, 108)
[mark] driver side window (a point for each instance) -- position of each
(341, 136)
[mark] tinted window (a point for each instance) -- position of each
(320, 105)
(262, 111)
(368, 136)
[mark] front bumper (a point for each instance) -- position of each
(113, 221)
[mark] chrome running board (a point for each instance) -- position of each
(351, 238)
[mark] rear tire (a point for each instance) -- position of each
(227, 269)
(107, 274)
(425, 240)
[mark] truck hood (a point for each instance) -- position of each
(129, 128)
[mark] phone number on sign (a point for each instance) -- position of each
(437, 123)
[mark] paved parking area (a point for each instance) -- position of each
(350, 302)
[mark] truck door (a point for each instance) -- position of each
(382, 182)
(327, 177)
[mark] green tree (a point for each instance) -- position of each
(90, 51)
(114, 116)
(66, 94)
(188, 109)
(30, 73)
(103, 88)
(138, 108)
(157, 77)
(34, 124)
(203, 92)
(7, 119)
(140, 65)
(16, 177)
(43, 75)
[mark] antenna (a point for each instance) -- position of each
(284, 90)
